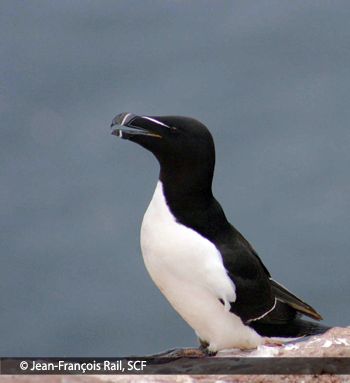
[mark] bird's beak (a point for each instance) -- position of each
(138, 125)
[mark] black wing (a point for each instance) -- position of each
(259, 297)
(255, 296)
(285, 296)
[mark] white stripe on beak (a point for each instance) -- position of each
(125, 117)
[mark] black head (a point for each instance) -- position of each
(183, 146)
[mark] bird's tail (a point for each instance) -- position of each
(296, 328)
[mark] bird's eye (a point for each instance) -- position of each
(173, 129)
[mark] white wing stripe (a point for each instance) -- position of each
(262, 316)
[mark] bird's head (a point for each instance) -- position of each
(177, 142)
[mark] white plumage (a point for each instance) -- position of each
(189, 271)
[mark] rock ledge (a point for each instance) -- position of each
(334, 343)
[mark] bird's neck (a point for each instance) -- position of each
(186, 188)
(190, 200)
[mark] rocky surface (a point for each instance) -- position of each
(335, 343)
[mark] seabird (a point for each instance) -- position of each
(207, 270)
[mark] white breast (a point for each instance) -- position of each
(189, 270)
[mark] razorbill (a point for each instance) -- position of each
(207, 270)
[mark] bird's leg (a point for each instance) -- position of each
(204, 347)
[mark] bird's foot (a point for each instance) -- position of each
(176, 353)
(276, 343)
(188, 352)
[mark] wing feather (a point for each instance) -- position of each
(284, 295)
